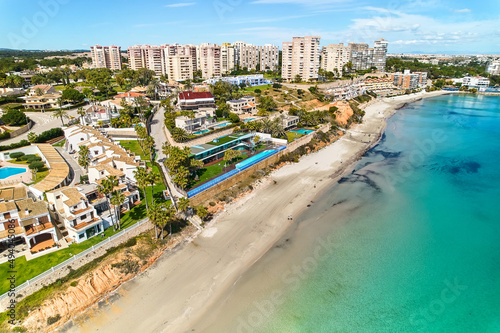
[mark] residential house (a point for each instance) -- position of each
(290, 121)
(98, 114)
(28, 221)
(189, 100)
(245, 104)
(203, 118)
(78, 220)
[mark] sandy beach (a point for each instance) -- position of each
(176, 292)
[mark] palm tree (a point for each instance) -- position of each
(179, 135)
(84, 157)
(141, 177)
(183, 204)
(81, 112)
(106, 188)
(60, 113)
(156, 215)
(153, 178)
(117, 200)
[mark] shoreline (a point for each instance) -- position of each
(238, 237)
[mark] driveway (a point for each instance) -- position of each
(42, 122)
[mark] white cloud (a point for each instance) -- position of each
(181, 4)
(465, 10)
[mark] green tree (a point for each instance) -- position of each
(72, 95)
(84, 157)
(61, 114)
(117, 200)
(106, 188)
(36, 166)
(32, 137)
(141, 177)
(183, 204)
(14, 118)
(230, 155)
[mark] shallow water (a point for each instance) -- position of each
(409, 242)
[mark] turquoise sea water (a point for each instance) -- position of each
(409, 242)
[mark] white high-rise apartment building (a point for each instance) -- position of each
(106, 57)
(301, 57)
(269, 57)
(334, 57)
(135, 57)
(228, 54)
(154, 58)
(147, 56)
(379, 54)
(210, 60)
(179, 67)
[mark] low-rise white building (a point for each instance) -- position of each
(78, 219)
(494, 68)
(478, 82)
(248, 80)
(245, 104)
(201, 120)
(98, 114)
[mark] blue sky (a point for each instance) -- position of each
(429, 26)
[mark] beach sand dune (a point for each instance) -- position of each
(175, 293)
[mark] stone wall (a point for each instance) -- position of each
(62, 272)
(213, 191)
(21, 130)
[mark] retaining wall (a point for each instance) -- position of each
(60, 272)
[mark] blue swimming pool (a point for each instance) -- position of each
(302, 131)
(248, 120)
(255, 159)
(201, 132)
(223, 125)
(6, 172)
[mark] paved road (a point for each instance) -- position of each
(43, 122)
(158, 135)
(75, 169)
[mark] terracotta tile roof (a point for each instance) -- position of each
(33, 208)
(7, 206)
(189, 95)
(13, 193)
(129, 94)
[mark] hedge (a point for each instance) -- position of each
(16, 145)
(50, 134)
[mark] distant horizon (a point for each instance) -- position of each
(419, 26)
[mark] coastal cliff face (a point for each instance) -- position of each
(345, 112)
(81, 294)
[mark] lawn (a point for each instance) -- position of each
(263, 87)
(133, 146)
(293, 136)
(59, 144)
(16, 106)
(29, 269)
(40, 175)
(213, 171)
(225, 139)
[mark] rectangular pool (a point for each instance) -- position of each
(302, 131)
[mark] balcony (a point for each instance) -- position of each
(87, 224)
(35, 229)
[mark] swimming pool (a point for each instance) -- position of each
(248, 120)
(302, 131)
(223, 125)
(201, 132)
(6, 172)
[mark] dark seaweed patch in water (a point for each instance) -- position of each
(456, 167)
(339, 202)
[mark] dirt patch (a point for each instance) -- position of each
(311, 105)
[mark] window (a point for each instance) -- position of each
(58, 197)
(6, 216)
(80, 236)
(83, 217)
